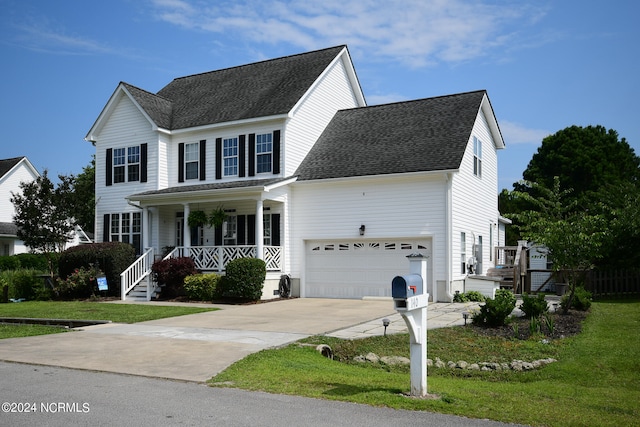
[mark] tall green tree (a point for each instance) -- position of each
(575, 241)
(44, 215)
(84, 196)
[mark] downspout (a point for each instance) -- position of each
(448, 236)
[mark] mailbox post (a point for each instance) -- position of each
(410, 300)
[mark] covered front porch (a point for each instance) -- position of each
(212, 226)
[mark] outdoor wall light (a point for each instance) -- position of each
(361, 230)
(385, 323)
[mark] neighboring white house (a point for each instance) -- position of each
(12, 173)
(323, 188)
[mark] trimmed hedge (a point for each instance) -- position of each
(244, 279)
(111, 257)
(24, 261)
(202, 287)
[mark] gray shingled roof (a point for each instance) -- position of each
(7, 164)
(8, 229)
(255, 90)
(212, 186)
(414, 136)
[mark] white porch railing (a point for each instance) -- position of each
(214, 258)
(136, 272)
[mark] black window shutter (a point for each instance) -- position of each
(252, 154)
(203, 156)
(276, 152)
(106, 227)
(143, 162)
(275, 229)
(251, 229)
(217, 236)
(109, 166)
(241, 155)
(241, 229)
(181, 162)
(219, 159)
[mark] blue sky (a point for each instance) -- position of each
(546, 64)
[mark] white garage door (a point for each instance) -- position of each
(355, 269)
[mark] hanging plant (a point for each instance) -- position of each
(197, 218)
(217, 217)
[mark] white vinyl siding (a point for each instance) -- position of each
(9, 183)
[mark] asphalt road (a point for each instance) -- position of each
(44, 395)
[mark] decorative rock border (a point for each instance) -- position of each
(515, 365)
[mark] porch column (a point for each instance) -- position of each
(259, 230)
(145, 228)
(186, 228)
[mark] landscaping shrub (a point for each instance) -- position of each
(533, 307)
(9, 262)
(581, 300)
(244, 279)
(202, 287)
(79, 284)
(468, 296)
(111, 257)
(23, 283)
(495, 312)
(36, 261)
(170, 274)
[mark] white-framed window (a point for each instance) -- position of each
(126, 164)
(133, 163)
(463, 253)
(191, 160)
(230, 231)
(119, 161)
(266, 224)
(477, 157)
(230, 156)
(127, 228)
(264, 152)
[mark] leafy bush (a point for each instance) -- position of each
(170, 274)
(111, 257)
(79, 284)
(244, 279)
(495, 312)
(533, 306)
(22, 283)
(581, 300)
(468, 296)
(35, 261)
(9, 262)
(202, 287)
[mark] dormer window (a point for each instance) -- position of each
(264, 150)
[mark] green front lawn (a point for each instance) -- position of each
(80, 310)
(595, 382)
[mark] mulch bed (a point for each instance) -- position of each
(564, 325)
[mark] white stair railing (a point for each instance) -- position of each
(136, 272)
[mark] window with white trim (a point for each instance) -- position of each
(126, 164)
(264, 150)
(266, 225)
(191, 160)
(119, 161)
(230, 230)
(133, 163)
(230, 156)
(477, 157)
(127, 228)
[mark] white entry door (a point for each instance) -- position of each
(355, 269)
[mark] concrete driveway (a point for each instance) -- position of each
(193, 347)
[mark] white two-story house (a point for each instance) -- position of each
(323, 188)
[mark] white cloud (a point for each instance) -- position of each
(515, 133)
(415, 32)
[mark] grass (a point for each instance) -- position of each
(80, 310)
(595, 382)
(19, 331)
